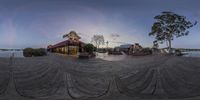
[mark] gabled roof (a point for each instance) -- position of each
(71, 32)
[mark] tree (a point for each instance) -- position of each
(155, 44)
(29, 52)
(89, 48)
(169, 25)
(98, 40)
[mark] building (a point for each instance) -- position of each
(124, 48)
(130, 48)
(72, 46)
(135, 48)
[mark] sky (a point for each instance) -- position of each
(39, 23)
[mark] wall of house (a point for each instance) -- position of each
(63, 50)
(73, 50)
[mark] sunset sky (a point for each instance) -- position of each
(38, 23)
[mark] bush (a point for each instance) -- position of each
(29, 52)
(89, 48)
(146, 51)
(95, 48)
(178, 52)
(39, 52)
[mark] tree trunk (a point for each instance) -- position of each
(169, 47)
(97, 49)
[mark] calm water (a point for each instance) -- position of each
(107, 57)
(9, 53)
(192, 54)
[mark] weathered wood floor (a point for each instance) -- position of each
(59, 78)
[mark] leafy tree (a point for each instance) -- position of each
(89, 48)
(169, 25)
(30, 52)
(146, 51)
(98, 40)
(39, 52)
(155, 44)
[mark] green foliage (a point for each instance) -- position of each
(155, 44)
(178, 52)
(89, 48)
(146, 51)
(39, 52)
(29, 52)
(169, 24)
(95, 48)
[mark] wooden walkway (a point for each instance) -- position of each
(60, 78)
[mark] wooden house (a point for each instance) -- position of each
(71, 46)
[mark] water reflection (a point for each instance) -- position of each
(9, 53)
(192, 54)
(107, 57)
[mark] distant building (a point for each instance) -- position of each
(125, 47)
(70, 47)
(135, 48)
(129, 48)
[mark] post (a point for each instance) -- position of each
(11, 59)
(107, 45)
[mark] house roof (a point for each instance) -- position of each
(69, 34)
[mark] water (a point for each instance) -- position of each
(192, 54)
(9, 53)
(107, 57)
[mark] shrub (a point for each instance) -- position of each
(95, 48)
(178, 52)
(29, 52)
(147, 51)
(39, 52)
(89, 48)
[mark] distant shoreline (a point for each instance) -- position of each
(11, 49)
(8, 53)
